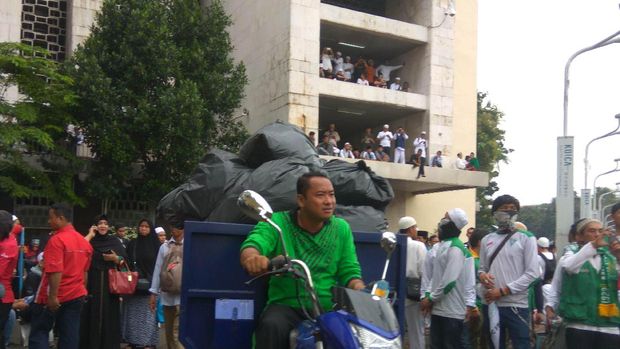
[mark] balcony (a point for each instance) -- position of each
(402, 177)
(361, 34)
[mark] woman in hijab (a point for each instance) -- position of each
(100, 321)
(139, 322)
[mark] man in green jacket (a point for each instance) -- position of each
(313, 234)
(589, 299)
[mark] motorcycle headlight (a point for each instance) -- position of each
(371, 340)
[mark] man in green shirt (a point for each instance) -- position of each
(313, 234)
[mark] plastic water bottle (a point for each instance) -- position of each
(382, 288)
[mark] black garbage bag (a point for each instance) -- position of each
(357, 185)
(275, 141)
(217, 174)
(275, 180)
(363, 218)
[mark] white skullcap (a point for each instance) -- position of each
(543, 242)
(159, 230)
(459, 217)
(406, 222)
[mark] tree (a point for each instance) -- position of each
(35, 159)
(490, 152)
(157, 86)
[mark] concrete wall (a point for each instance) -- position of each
(444, 70)
(278, 42)
(10, 20)
(81, 16)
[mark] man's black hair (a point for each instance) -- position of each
(476, 237)
(423, 233)
(615, 208)
(503, 200)
(101, 217)
(62, 209)
(6, 224)
(303, 183)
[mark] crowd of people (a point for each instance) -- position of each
(363, 71)
(505, 286)
(389, 146)
(67, 289)
(496, 290)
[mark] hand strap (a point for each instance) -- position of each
(499, 248)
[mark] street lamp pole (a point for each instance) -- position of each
(600, 198)
(617, 169)
(564, 204)
(586, 202)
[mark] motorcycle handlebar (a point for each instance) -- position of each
(277, 262)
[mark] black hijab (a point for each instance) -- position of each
(143, 251)
(104, 243)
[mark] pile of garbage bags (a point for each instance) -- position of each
(270, 162)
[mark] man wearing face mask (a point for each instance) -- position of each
(451, 297)
(508, 265)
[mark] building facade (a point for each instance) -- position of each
(280, 42)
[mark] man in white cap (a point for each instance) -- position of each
(416, 253)
(396, 84)
(451, 297)
(346, 152)
(385, 138)
(420, 143)
(546, 260)
(161, 234)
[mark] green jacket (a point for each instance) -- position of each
(330, 256)
(580, 294)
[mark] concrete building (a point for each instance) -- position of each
(280, 42)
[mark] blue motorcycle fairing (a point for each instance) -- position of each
(337, 334)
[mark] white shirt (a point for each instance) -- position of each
(346, 154)
(339, 64)
(385, 138)
(386, 70)
(515, 266)
(362, 82)
(460, 164)
(395, 86)
(420, 143)
(451, 266)
(348, 68)
(166, 298)
(327, 62)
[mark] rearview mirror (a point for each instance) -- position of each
(254, 205)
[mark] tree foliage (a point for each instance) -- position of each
(157, 86)
(35, 97)
(491, 151)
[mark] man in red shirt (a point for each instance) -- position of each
(62, 289)
(8, 261)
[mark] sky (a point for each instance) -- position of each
(523, 46)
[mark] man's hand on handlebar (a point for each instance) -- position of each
(253, 262)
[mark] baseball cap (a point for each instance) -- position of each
(458, 217)
(406, 222)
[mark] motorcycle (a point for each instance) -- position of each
(359, 319)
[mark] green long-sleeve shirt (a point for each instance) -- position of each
(329, 254)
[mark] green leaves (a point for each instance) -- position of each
(156, 86)
(490, 152)
(35, 98)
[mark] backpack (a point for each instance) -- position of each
(549, 268)
(170, 275)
